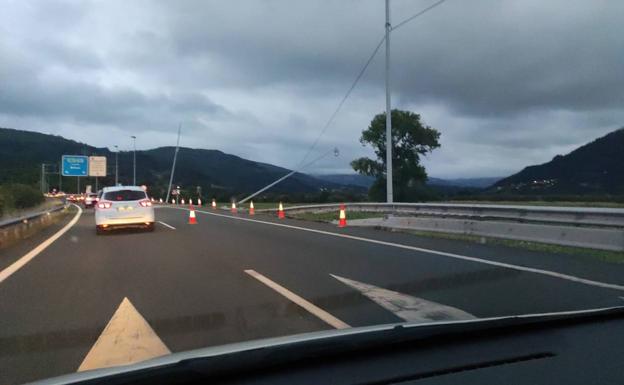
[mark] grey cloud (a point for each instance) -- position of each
(525, 78)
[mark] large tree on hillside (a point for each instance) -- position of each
(411, 139)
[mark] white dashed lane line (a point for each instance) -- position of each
(307, 305)
(166, 225)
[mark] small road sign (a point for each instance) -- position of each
(75, 165)
(97, 166)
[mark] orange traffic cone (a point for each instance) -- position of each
(192, 219)
(342, 217)
(252, 211)
(199, 202)
(233, 210)
(280, 211)
(191, 201)
(182, 201)
(214, 204)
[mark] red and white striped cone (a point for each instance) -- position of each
(252, 211)
(192, 219)
(280, 211)
(342, 217)
(233, 209)
(214, 204)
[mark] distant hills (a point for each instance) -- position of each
(367, 181)
(215, 172)
(477, 183)
(592, 169)
(595, 168)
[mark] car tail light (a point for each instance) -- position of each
(104, 205)
(145, 203)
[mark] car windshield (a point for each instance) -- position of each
(124, 195)
(179, 175)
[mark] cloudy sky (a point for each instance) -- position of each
(508, 83)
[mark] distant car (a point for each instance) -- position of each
(91, 200)
(123, 206)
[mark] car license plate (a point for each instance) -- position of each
(128, 208)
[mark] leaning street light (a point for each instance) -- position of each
(134, 161)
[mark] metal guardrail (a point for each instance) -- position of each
(29, 217)
(567, 216)
(596, 228)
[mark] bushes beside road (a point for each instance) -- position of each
(18, 196)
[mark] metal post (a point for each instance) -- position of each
(116, 165)
(42, 177)
(134, 161)
(175, 156)
(60, 172)
(77, 185)
(96, 184)
(389, 193)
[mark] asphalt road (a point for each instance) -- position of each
(191, 284)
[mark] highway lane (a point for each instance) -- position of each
(190, 284)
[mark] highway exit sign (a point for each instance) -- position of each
(75, 165)
(97, 166)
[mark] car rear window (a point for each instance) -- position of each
(124, 195)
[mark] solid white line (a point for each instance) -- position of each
(166, 225)
(436, 252)
(15, 266)
(309, 306)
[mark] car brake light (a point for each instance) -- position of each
(104, 205)
(145, 203)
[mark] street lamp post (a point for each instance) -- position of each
(134, 161)
(389, 194)
(116, 165)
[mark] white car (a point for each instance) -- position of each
(123, 206)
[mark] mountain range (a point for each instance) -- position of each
(215, 172)
(594, 168)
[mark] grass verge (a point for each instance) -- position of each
(602, 255)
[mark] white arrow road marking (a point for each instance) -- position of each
(307, 305)
(405, 306)
(126, 339)
(6, 273)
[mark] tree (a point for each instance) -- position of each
(411, 139)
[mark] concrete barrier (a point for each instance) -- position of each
(15, 229)
(570, 216)
(596, 228)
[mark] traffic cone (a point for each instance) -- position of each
(182, 201)
(214, 204)
(199, 202)
(280, 211)
(191, 201)
(192, 219)
(233, 210)
(251, 208)
(173, 201)
(342, 217)
(160, 200)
